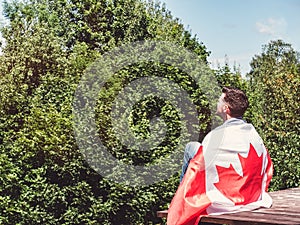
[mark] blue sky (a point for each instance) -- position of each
(239, 28)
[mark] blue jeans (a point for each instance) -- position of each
(190, 151)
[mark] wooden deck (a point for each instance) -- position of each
(285, 210)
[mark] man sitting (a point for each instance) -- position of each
(229, 171)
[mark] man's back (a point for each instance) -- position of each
(235, 163)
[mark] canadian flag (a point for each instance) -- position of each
(230, 172)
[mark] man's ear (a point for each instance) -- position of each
(226, 109)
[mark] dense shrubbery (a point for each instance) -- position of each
(44, 178)
(274, 84)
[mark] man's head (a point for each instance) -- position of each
(232, 103)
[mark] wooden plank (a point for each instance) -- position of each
(285, 210)
(162, 214)
(290, 211)
(251, 218)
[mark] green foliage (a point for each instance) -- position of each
(274, 87)
(44, 177)
(227, 77)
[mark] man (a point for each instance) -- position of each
(239, 104)
(229, 171)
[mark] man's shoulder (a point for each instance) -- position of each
(233, 126)
(234, 122)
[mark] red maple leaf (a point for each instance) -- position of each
(246, 188)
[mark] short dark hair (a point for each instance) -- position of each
(237, 101)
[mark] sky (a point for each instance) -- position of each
(238, 29)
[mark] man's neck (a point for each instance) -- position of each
(228, 117)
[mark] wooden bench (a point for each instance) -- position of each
(285, 210)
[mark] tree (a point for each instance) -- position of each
(274, 88)
(49, 44)
(230, 77)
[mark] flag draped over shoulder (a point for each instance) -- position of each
(230, 172)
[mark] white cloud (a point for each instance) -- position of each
(271, 26)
